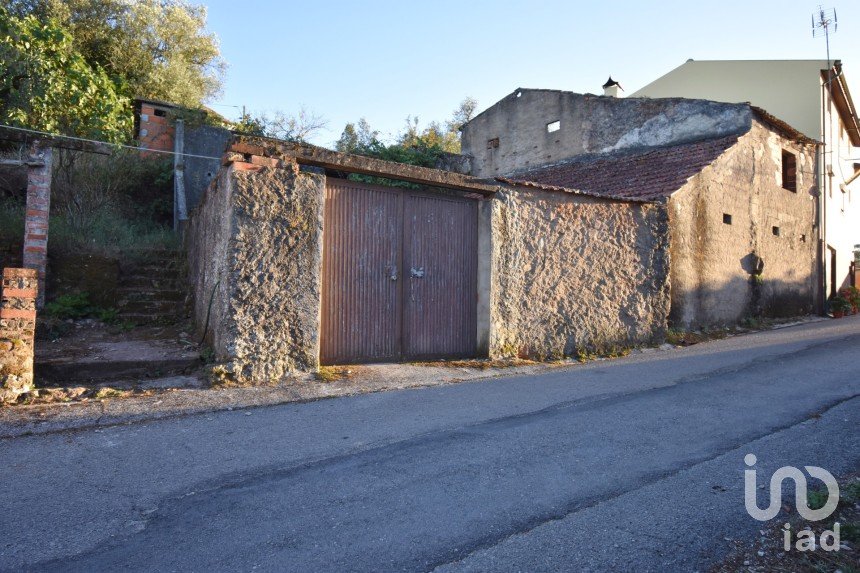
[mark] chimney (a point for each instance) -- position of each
(611, 87)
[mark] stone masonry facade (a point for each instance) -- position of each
(734, 213)
(574, 274)
(17, 330)
(255, 266)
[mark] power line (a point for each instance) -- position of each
(82, 139)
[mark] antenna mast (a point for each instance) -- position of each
(821, 27)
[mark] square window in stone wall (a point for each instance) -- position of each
(775, 231)
(727, 219)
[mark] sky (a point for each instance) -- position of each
(386, 60)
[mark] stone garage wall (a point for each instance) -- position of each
(255, 250)
(574, 273)
(712, 260)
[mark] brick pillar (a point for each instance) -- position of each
(17, 330)
(38, 207)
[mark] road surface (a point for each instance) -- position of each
(630, 464)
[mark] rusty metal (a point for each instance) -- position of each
(440, 257)
(399, 275)
(361, 266)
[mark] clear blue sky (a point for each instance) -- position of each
(385, 60)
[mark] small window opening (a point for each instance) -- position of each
(802, 238)
(160, 113)
(789, 171)
(727, 219)
(493, 143)
(553, 126)
(775, 231)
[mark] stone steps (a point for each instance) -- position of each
(68, 374)
(152, 288)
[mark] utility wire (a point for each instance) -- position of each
(73, 138)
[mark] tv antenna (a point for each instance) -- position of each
(823, 23)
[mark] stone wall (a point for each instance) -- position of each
(573, 273)
(255, 251)
(588, 124)
(17, 329)
(713, 261)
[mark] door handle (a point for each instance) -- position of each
(393, 271)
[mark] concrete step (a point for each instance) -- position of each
(153, 318)
(70, 373)
(169, 281)
(168, 307)
(132, 294)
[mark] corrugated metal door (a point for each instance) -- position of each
(362, 235)
(399, 275)
(440, 274)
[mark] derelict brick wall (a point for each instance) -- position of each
(256, 242)
(588, 124)
(36, 219)
(156, 131)
(711, 282)
(17, 329)
(574, 273)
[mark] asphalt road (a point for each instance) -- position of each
(632, 464)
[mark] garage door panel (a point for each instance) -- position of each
(399, 274)
(361, 298)
(440, 277)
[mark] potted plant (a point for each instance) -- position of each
(839, 306)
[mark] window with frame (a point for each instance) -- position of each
(789, 171)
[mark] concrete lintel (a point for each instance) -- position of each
(306, 154)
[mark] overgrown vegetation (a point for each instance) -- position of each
(45, 84)
(414, 145)
(103, 205)
(157, 49)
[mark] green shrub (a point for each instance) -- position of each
(76, 306)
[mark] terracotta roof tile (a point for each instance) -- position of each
(646, 174)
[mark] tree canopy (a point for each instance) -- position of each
(155, 49)
(45, 84)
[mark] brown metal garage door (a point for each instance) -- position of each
(399, 275)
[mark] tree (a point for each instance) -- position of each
(358, 138)
(413, 145)
(298, 127)
(46, 85)
(156, 49)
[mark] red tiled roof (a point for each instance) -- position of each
(644, 175)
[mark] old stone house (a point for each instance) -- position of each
(814, 97)
(738, 186)
(544, 249)
(293, 265)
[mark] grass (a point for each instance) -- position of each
(110, 234)
(329, 374)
